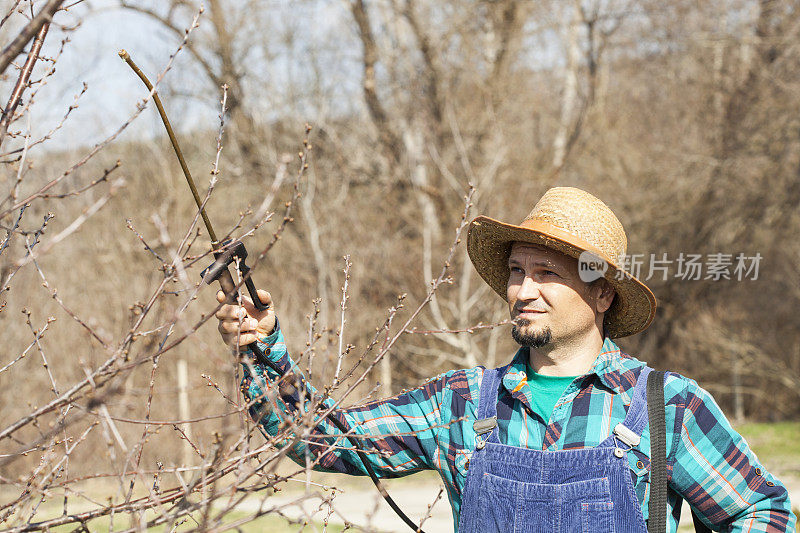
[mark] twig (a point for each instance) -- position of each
(429, 512)
(101, 179)
(39, 334)
(177, 428)
(129, 225)
(469, 329)
(10, 12)
(212, 383)
(22, 81)
(341, 353)
(36, 337)
(10, 232)
(223, 102)
(29, 248)
(54, 294)
(15, 47)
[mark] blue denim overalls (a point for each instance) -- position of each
(510, 489)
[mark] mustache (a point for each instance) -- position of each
(523, 309)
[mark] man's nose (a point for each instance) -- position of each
(529, 290)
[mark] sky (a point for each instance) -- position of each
(113, 90)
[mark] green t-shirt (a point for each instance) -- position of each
(546, 391)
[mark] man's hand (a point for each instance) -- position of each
(245, 322)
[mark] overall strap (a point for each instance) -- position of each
(487, 405)
(636, 418)
(657, 507)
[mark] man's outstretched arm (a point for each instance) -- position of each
(402, 430)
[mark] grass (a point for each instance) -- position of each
(777, 445)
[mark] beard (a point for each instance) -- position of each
(534, 339)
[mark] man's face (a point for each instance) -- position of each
(548, 301)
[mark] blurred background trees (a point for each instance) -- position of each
(681, 115)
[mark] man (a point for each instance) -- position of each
(558, 439)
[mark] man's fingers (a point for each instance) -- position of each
(221, 298)
(247, 338)
(233, 326)
(230, 312)
(244, 321)
(244, 339)
(265, 297)
(227, 310)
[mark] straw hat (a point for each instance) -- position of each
(572, 222)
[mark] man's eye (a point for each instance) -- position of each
(550, 273)
(515, 269)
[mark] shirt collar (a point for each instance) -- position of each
(607, 367)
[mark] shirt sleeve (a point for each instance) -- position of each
(719, 475)
(401, 430)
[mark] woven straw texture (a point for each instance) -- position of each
(570, 221)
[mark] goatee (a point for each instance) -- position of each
(535, 339)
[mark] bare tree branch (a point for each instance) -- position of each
(14, 48)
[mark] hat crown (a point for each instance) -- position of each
(581, 214)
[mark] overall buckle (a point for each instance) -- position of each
(481, 427)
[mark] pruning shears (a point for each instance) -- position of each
(225, 252)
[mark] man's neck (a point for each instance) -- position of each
(573, 357)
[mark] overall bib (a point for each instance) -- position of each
(510, 489)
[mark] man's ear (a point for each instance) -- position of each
(605, 295)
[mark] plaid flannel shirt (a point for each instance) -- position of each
(709, 464)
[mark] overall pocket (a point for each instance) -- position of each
(597, 517)
(519, 507)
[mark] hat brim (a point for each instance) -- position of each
(489, 244)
